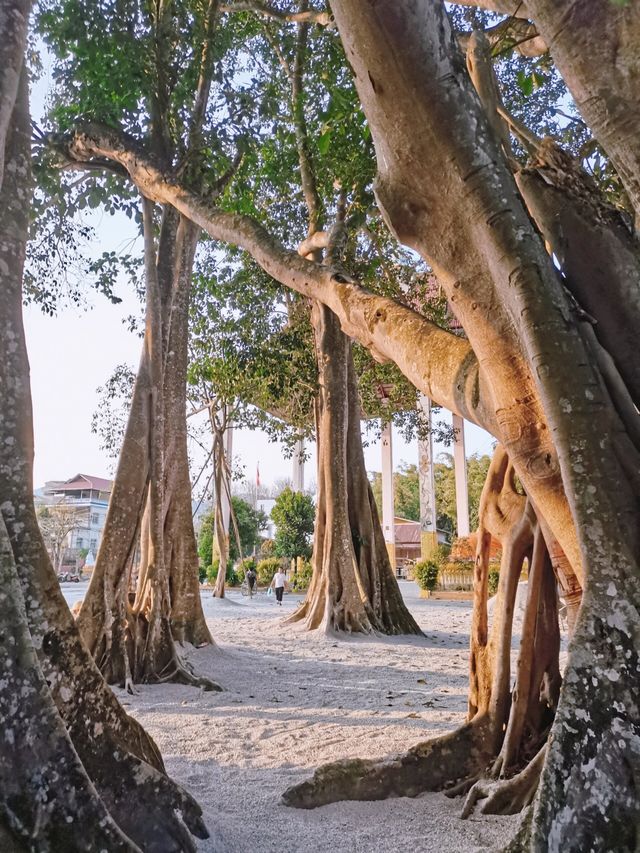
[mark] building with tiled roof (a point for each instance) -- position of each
(87, 498)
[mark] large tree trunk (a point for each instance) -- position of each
(561, 429)
(353, 587)
(181, 553)
(77, 772)
(151, 500)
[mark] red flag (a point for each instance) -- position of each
(258, 474)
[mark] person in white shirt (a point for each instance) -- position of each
(278, 583)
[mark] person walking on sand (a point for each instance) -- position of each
(251, 578)
(278, 583)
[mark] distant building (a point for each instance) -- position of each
(74, 513)
(408, 543)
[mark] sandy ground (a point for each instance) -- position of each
(293, 700)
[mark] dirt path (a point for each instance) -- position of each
(293, 700)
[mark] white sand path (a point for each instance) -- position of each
(294, 700)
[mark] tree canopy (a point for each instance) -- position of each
(293, 514)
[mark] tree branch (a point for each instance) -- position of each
(442, 365)
(307, 173)
(510, 34)
(309, 16)
(206, 67)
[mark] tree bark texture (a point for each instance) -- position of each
(599, 254)
(151, 499)
(63, 727)
(353, 587)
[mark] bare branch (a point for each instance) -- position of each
(309, 16)
(440, 364)
(527, 137)
(226, 177)
(275, 46)
(206, 67)
(509, 35)
(316, 242)
(97, 164)
(307, 172)
(483, 78)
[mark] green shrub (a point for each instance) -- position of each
(266, 569)
(426, 574)
(231, 577)
(212, 571)
(494, 577)
(202, 574)
(205, 542)
(302, 577)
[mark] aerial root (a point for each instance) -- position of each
(429, 766)
(506, 796)
(179, 672)
(461, 788)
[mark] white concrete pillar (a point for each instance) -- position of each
(426, 481)
(460, 468)
(298, 467)
(388, 526)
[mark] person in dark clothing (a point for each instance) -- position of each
(251, 579)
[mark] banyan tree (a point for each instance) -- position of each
(540, 266)
(532, 371)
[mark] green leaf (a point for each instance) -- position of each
(324, 142)
(525, 83)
